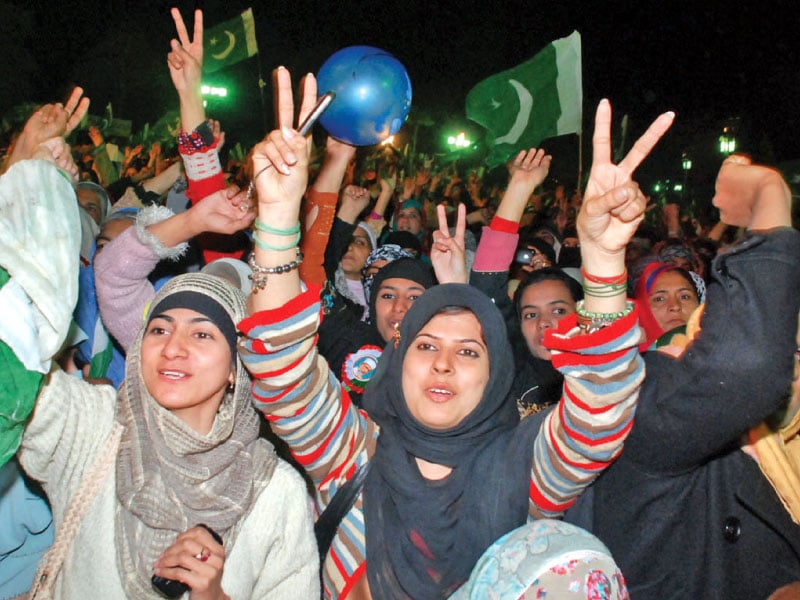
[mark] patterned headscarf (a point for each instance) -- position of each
(169, 477)
(546, 559)
(387, 252)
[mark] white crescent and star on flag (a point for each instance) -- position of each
(523, 115)
(225, 52)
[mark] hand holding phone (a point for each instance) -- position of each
(172, 588)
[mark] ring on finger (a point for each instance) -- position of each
(204, 554)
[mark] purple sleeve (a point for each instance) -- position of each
(123, 290)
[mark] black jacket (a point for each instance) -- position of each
(685, 512)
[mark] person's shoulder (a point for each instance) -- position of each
(285, 485)
(58, 384)
(284, 502)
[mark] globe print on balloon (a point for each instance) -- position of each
(373, 95)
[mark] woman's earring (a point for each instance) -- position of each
(230, 388)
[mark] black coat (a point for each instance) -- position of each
(685, 512)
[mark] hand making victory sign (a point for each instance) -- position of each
(613, 205)
(448, 253)
(280, 178)
(186, 57)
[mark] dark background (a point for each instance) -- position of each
(711, 62)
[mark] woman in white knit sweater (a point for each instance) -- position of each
(189, 451)
(189, 454)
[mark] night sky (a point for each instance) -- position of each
(708, 61)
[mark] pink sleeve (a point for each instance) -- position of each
(495, 250)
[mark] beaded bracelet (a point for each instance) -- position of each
(259, 275)
(594, 321)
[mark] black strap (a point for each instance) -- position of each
(328, 522)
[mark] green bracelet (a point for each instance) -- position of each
(264, 246)
(603, 316)
(606, 290)
(261, 226)
(590, 322)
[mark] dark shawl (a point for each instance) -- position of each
(423, 537)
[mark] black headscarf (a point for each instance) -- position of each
(423, 537)
(412, 269)
(537, 383)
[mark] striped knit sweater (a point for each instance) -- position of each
(330, 437)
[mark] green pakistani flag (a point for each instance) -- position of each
(538, 99)
(229, 42)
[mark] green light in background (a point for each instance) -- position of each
(459, 142)
(210, 90)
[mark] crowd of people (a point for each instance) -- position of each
(304, 377)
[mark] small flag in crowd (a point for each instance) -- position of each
(229, 42)
(538, 99)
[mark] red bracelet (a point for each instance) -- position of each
(617, 280)
(375, 216)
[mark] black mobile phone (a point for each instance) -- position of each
(322, 104)
(172, 588)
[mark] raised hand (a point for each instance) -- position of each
(280, 176)
(752, 196)
(197, 560)
(185, 59)
(96, 136)
(529, 169)
(613, 205)
(338, 156)
(341, 151)
(354, 200)
(56, 120)
(57, 151)
(76, 108)
(280, 162)
(49, 121)
(448, 253)
(434, 183)
(408, 187)
(388, 184)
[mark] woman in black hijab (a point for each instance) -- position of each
(440, 528)
(451, 467)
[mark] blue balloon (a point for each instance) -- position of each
(373, 95)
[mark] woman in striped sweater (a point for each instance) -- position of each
(451, 467)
